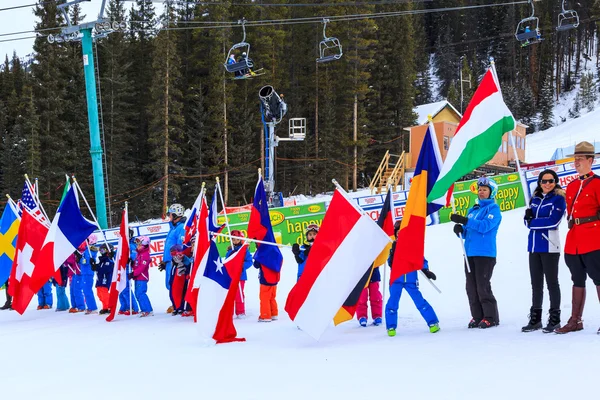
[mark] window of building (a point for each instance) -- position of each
(446, 142)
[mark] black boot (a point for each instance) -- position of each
(553, 321)
(8, 304)
(535, 320)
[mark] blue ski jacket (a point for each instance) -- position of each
(548, 210)
(482, 228)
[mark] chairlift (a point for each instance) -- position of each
(528, 29)
(330, 48)
(244, 63)
(567, 19)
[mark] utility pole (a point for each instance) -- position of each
(83, 32)
(355, 137)
(461, 84)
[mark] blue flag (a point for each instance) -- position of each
(9, 228)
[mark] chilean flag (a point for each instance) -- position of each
(347, 243)
(119, 277)
(68, 230)
(29, 243)
(260, 228)
(216, 299)
(201, 249)
(191, 225)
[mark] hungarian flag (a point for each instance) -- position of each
(68, 230)
(347, 243)
(386, 223)
(478, 136)
(410, 254)
(260, 228)
(119, 277)
(216, 300)
(201, 248)
(29, 243)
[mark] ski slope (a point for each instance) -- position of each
(62, 356)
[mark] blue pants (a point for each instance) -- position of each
(391, 308)
(124, 300)
(76, 293)
(45, 295)
(169, 282)
(87, 285)
(141, 287)
(62, 302)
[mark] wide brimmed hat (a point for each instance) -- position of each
(584, 149)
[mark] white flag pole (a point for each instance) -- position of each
(76, 184)
(35, 196)
(251, 240)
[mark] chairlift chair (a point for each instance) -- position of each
(567, 19)
(245, 63)
(330, 48)
(528, 29)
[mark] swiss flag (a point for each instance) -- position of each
(29, 243)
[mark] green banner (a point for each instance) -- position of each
(510, 195)
(288, 223)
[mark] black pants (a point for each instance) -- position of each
(479, 289)
(544, 265)
(582, 265)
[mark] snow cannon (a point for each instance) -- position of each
(273, 106)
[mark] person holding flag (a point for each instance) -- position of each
(175, 236)
(141, 275)
(240, 298)
(479, 230)
(301, 252)
(125, 296)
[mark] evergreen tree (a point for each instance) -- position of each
(546, 104)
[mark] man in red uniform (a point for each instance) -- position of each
(582, 248)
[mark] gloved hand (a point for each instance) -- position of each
(94, 265)
(131, 275)
(459, 219)
(229, 248)
(458, 229)
(528, 215)
(77, 256)
(296, 249)
(429, 274)
(162, 266)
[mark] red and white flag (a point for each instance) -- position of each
(347, 243)
(29, 244)
(119, 277)
(201, 248)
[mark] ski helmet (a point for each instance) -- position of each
(105, 248)
(238, 233)
(176, 209)
(143, 240)
(490, 183)
(311, 227)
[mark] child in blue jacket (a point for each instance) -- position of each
(126, 296)
(301, 252)
(409, 282)
(104, 270)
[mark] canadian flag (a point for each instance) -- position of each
(119, 277)
(29, 244)
(201, 250)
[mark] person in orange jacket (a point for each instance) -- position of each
(582, 247)
(268, 293)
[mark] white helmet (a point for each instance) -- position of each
(176, 209)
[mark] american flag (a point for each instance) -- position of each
(27, 198)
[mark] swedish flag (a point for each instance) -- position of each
(9, 227)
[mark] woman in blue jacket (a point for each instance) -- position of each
(479, 229)
(547, 208)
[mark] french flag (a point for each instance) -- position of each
(68, 230)
(260, 228)
(347, 243)
(119, 277)
(216, 300)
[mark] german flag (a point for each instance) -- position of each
(386, 222)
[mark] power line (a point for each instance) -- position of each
(349, 3)
(27, 5)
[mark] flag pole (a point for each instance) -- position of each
(460, 236)
(13, 206)
(218, 187)
(76, 184)
(34, 194)
(251, 240)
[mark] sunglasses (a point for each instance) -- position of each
(544, 181)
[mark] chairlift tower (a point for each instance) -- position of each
(272, 110)
(83, 33)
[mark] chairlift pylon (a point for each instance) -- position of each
(330, 48)
(567, 19)
(244, 62)
(528, 29)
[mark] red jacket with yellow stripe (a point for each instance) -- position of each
(583, 201)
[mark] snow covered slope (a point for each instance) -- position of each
(61, 356)
(541, 145)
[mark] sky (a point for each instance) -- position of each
(23, 19)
